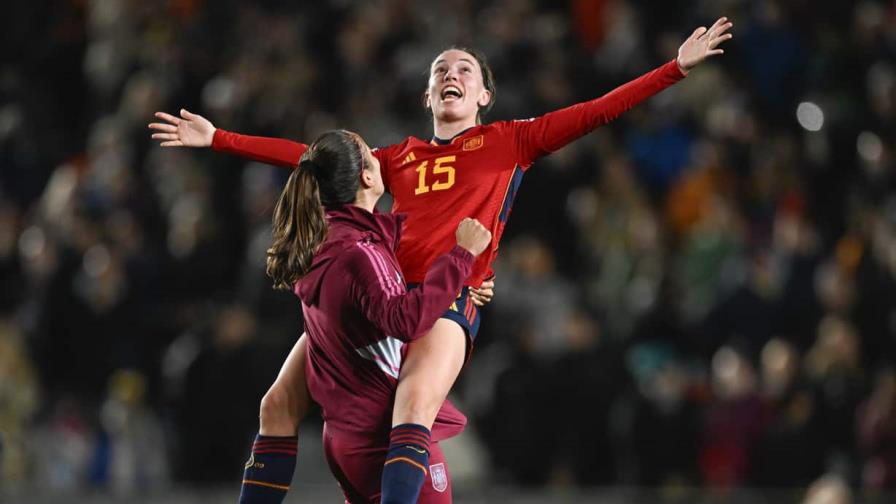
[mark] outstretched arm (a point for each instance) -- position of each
(545, 134)
(193, 130)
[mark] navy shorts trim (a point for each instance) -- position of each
(465, 313)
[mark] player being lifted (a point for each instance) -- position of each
(466, 169)
(338, 256)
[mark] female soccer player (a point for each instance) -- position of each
(338, 255)
(467, 168)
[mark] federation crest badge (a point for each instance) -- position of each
(473, 143)
(439, 476)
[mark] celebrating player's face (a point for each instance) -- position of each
(456, 90)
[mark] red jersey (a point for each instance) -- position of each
(475, 174)
(358, 315)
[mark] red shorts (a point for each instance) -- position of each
(359, 469)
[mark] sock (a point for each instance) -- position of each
(269, 470)
(406, 464)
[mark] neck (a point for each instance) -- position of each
(366, 200)
(448, 129)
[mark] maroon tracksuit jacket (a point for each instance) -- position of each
(358, 315)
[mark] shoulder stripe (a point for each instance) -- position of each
(392, 274)
(391, 285)
(377, 267)
(387, 271)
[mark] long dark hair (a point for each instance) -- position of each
(327, 175)
(488, 79)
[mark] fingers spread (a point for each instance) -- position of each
(698, 32)
(167, 128)
(168, 117)
(713, 44)
(164, 136)
(719, 22)
(715, 32)
(176, 143)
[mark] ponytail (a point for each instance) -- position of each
(327, 175)
(299, 227)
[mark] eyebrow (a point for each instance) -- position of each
(461, 59)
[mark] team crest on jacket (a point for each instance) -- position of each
(439, 476)
(474, 143)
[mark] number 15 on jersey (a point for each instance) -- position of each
(441, 176)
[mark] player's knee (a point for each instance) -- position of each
(417, 405)
(276, 412)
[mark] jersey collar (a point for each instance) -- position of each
(440, 141)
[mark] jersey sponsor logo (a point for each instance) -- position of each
(474, 143)
(386, 354)
(439, 476)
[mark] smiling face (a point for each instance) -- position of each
(456, 89)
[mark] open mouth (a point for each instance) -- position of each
(451, 93)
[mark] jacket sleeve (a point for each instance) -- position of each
(542, 135)
(275, 151)
(406, 314)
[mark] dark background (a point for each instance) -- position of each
(698, 299)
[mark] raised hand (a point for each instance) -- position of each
(702, 44)
(473, 236)
(188, 130)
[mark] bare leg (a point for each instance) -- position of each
(269, 470)
(286, 403)
(428, 372)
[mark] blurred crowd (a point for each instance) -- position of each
(701, 294)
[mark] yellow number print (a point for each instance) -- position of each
(438, 168)
(421, 179)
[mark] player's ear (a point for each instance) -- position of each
(427, 103)
(368, 179)
(484, 98)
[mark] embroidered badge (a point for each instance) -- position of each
(439, 476)
(473, 143)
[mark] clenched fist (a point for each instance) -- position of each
(473, 236)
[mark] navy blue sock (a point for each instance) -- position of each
(406, 463)
(269, 470)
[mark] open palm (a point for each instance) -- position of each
(703, 43)
(188, 130)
